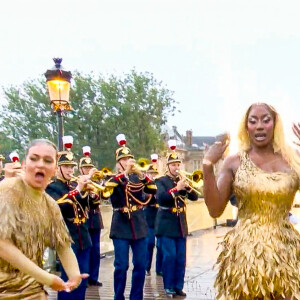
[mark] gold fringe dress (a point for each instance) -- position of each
(32, 221)
(260, 257)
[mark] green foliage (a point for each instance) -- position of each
(134, 104)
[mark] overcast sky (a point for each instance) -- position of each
(218, 56)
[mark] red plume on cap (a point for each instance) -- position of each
(154, 157)
(121, 139)
(67, 141)
(86, 150)
(14, 156)
(172, 144)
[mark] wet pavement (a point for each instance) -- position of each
(199, 278)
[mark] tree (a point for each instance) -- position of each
(135, 104)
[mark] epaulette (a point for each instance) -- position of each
(152, 186)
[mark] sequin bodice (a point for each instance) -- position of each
(262, 195)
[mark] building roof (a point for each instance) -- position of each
(200, 141)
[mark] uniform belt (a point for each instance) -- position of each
(76, 220)
(154, 205)
(127, 209)
(174, 210)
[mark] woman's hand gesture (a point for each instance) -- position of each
(216, 151)
(58, 284)
(74, 282)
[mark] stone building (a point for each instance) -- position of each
(190, 148)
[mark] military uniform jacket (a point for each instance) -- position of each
(171, 216)
(94, 214)
(74, 210)
(128, 220)
(151, 211)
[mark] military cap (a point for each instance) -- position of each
(123, 151)
(152, 169)
(172, 157)
(86, 161)
(66, 158)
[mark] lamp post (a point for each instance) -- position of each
(58, 83)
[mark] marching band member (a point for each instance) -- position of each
(74, 209)
(150, 212)
(171, 224)
(95, 223)
(129, 226)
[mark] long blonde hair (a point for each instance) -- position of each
(280, 145)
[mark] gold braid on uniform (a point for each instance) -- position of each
(135, 187)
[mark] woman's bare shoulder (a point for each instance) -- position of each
(232, 162)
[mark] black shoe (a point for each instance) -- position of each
(159, 273)
(148, 273)
(180, 293)
(170, 292)
(95, 283)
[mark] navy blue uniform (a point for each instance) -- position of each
(150, 213)
(74, 209)
(171, 227)
(129, 229)
(95, 224)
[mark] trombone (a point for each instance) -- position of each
(95, 188)
(195, 180)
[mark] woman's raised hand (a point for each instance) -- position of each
(215, 152)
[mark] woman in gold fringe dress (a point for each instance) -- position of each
(30, 220)
(260, 257)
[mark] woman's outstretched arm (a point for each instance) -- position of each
(70, 264)
(10, 253)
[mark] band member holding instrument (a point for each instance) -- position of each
(129, 226)
(95, 223)
(150, 212)
(74, 208)
(171, 225)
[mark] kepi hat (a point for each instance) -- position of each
(172, 156)
(123, 151)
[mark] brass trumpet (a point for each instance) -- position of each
(195, 180)
(91, 186)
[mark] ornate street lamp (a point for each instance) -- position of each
(58, 83)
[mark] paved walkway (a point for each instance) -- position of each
(199, 278)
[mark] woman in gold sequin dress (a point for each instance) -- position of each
(30, 221)
(260, 257)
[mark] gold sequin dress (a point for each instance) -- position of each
(260, 257)
(31, 220)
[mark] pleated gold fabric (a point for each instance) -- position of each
(32, 221)
(260, 257)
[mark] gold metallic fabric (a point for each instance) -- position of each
(260, 257)
(32, 221)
